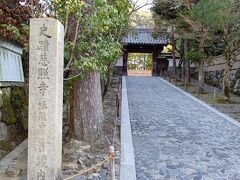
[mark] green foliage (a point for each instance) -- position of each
(62, 9)
(19, 103)
(192, 22)
(13, 15)
(98, 37)
(167, 10)
(137, 61)
(5, 145)
(211, 26)
(194, 55)
(214, 19)
(15, 107)
(218, 14)
(13, 29)
(206, 11)
(225, 19)
(9, 116)
(18, 97)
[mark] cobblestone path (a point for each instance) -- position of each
(177, 138)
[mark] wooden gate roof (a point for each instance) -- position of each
(145, 37)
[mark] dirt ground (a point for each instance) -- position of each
(139, 73)
(78, 155)
(230, 107)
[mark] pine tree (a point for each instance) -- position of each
(225, 20)
(198, 30)
(166, 12)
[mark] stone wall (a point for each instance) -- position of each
(215, 69)
(13, 99)
(13, 118)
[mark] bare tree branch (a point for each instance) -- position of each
(74, 44)
(66, 24)
(136, 8)
(75, 76)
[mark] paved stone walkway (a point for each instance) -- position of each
(177, 138)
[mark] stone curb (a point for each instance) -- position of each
(231, 120)
(6, 161)
(127, 169)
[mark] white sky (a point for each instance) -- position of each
(141, 2)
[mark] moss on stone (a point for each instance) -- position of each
(24, 117)
(18, 97)
(226, 101)
(226, 92)
(1, 99)
(20, 105)
(6, 145)
(9, 116)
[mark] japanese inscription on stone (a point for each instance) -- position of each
(45, 98)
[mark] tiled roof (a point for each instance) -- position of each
(144, 36)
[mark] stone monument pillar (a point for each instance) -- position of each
(45, 99)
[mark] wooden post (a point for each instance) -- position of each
(112, 163)
(125, 63)
(197, 89)
(169, 77)
(117, 105)
(214, 96)
(173, 52)
(154, 62)
(185, 83)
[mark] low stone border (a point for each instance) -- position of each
(233, 121)
(127, 169)
(6, 161)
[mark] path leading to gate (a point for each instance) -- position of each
(176, 137)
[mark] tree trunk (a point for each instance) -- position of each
(182, 56)
(180, 70)
(154, 62)
(88, 110)
(174, 54)
(226, 77)
(125, 63)
(226, 82)
(201, 77)
(109, 80)
(186, 62)
(71, 114)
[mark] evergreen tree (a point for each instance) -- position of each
(166, 14)
(221, 19)
(224, 18)
(93, 30)
(198, 30)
